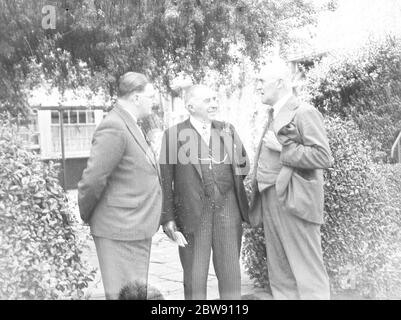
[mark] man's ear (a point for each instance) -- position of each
(280, 83)
(190, 108)
(134, 97)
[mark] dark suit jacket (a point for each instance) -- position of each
(119, 194)
(183, 193)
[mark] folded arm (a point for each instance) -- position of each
(314, 151)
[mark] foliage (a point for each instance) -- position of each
(160, 38)
(166, 37)
(40, 257)
(363, 86)
(254, 256)
(361, 237)
(388, 278)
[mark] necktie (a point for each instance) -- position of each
(258, 150)
(145, 136)
(205, 133)
(152, 152)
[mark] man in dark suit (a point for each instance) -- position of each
(203, 164)
(120, 194)
(288, 189)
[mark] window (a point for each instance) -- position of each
(73, 117)
(55, 117)
(82, 117)
(29, 132)
(79, 126)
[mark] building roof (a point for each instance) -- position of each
(46, 96)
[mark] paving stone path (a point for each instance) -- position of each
(165, 271)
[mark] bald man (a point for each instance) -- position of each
(119, 194)
(203, 165)
(287, 189)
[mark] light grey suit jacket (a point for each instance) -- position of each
(300, 129)
(119, 194)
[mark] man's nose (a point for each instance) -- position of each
(214, 104)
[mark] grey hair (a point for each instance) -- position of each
(131, 82)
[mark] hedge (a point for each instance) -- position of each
(363, 85)
(40, 256)
(360, 239)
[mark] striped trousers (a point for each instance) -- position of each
(220, 231)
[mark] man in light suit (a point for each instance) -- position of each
(203, 164)
(288, 189)
(120, 194)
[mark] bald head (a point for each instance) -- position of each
(194, 92)
(277, 70)
(274, 82)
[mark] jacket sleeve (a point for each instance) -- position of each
(314, 151)
(167, 168)
(108, 147)
(243, 165)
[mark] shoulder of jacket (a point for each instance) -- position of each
(307, 108)
(171, 129)
(112, 121)
(110, 126)
(225, 125)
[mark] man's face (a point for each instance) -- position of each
(268, 88)
(145, 100)
(204, 104)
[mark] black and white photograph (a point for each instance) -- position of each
(231, 151)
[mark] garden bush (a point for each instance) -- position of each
(40, 256)
(360, 238)
(363, 85)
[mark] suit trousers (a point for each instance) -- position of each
(294, 253)
(219, 230)
(122, 262)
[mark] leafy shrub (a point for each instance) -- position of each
(360, 238)
(39, 253)
(388, 278)
(254, 256)
(365, 86)
(392, 183)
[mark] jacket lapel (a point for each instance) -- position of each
(226, 138)
(136, 133)
(286, 114)
(193, 136)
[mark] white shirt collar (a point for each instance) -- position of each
(132, 115)
(198, 125)
(128, 111)
(281, 103)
